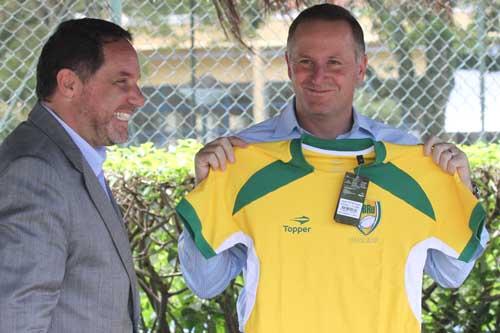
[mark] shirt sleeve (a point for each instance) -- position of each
(450, 272)
(209, 277)
(460, 220)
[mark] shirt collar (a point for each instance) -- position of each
(287, 122)
(360, 125)
(288, 126)
(95, 157)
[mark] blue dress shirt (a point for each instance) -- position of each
(209, 277)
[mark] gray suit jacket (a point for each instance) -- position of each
(65, 261)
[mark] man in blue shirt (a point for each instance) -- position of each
(326, 62)
(65, 259)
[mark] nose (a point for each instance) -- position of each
(318, 73)
(136, 97)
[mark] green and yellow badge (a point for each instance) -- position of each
(370, 217)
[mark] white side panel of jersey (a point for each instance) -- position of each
(246, 299)
(414, 271)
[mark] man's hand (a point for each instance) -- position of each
(215, 155)
(449, 158)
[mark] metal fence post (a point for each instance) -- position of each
(116, 11)
(482, 59)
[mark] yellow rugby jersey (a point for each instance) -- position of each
(307, 273)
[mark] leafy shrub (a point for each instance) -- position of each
(149, 182)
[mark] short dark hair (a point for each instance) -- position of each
(76, 45)
(330, 12)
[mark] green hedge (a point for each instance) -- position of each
(148, 183)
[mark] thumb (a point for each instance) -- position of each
(237, 142)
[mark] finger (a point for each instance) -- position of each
(461, 165)
(464, 174)
(237, 142)
(454, 159)
(226, 147)
(221, 156)
(429, 145)
(218, 157)
(200, 174)
(215, 155)
(202, 163)
(445, 161)
(438, 149)
(220, 147)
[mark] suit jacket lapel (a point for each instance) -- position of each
(114, 224)
(44, 121)
(41, 118)
(133, 277)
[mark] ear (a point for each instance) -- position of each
(68, 83)
(288, 65)
(362, 65)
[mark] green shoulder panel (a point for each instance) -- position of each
(399, 183)
(192, 224)
(476, 224)
(272, 177)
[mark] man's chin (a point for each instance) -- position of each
(117, 140)
(320, 108)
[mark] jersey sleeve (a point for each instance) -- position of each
(460, 218)
(455, 217)
(207, 212)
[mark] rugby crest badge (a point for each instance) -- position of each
(370, 217)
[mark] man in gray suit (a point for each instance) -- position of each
(65, 260)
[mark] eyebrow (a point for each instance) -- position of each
(128, 74)
(302, 55)
(306, 55)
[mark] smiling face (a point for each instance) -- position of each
(109, 97)
(324, 69)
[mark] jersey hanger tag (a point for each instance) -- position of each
(351, 199)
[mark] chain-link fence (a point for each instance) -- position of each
(434, 65)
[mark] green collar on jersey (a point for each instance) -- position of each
(382, 173)
(342, 145)
(281, 173)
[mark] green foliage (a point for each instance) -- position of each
(482, 154)
(159, 165)
(485, 161)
